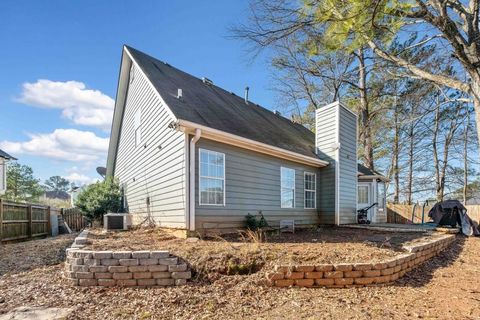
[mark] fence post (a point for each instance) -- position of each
(29, 218)
(49, 226)
(1, 220)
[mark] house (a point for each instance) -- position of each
(73, 194)
(371, 189)
(194, 156)
(4, 158)
(58, 195)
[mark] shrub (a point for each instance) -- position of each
(100, 198)
(254, 223)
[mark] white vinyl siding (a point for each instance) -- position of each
(287, 187)
(138, 128)
(153, 175)
(310, 185)
(381, 195)
(3, 176)
(212, 177)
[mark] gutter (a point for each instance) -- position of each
(191, 193)
(228, 138)
(362, 176)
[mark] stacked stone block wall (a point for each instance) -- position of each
(344, 275)
(125, 268)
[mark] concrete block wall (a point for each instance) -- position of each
(344, 275)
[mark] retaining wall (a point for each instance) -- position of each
(123, 268)
(358, 274)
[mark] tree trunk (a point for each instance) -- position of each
(365, 130)
(435, 151)
(396, 147)
(476, 104)
(410, 163)
(465, 158)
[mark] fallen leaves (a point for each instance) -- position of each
(424, 292)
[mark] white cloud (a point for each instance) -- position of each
(80, 178)
(62, 144)
(80, 105)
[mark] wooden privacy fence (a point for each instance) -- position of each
(402, 213)
(74, 218)
(23, 221)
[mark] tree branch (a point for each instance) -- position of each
(440, 79)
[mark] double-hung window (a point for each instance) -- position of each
(310, 190)
(212, 177)
(287, 187)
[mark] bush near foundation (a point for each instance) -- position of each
(100, 198)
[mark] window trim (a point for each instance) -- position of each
(366, 185)
(310, 190)
(281, 187)
(207, 177)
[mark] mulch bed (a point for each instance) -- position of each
(242, 253)
(441, 289)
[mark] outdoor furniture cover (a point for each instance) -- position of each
(451, 213)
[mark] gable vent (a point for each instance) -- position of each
(207, 81)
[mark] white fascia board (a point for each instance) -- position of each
(228, 138)
(170, 112)
(363, 176)
(120, 100)
(122, 87)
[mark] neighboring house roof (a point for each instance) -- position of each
(214, 107)
(5, 155)
(62, 195)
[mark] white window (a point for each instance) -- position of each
(310, 190)
(363, 195)
(212, 177)
(137, 127)
(287, 187)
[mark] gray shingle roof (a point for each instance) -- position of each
(5, 155)
(367, 172)
(214, 107)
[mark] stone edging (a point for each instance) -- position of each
(358, 274)
(123, 268)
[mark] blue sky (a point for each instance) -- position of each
(74, 48)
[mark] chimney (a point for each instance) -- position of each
(246, 94)
(336, 142)
(180, 93)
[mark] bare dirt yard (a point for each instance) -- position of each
(445, 287)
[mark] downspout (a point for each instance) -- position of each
(191, 202)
